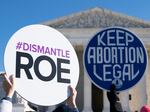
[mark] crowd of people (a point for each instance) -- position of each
(70, 106)
(9, 88)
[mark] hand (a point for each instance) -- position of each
(71, 101)
(9, 85)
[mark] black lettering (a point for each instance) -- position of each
(36, 68)
(60, 70)
(20, 66)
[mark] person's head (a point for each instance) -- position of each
(145, 108)
(113, 87)
(61, 108)
(71, 103)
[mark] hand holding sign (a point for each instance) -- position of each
(44, 63)
(9, 84)
(71, 101)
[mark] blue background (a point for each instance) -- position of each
(15, 14)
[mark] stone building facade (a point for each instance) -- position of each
(79, 28)
(92, 99)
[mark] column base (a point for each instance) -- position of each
(106, 109)
(125, 109)
(18, 108)
(87, 110)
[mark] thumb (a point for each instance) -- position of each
(12, 80)
(7, 79)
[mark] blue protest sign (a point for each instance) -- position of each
(115, 56)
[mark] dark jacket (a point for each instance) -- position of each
(65, 108)
(115, 105)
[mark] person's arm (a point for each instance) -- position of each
(6, 105)
(71, 101)
(6, 102)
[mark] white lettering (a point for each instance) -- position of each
(91, 55)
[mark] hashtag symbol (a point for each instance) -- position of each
(19, 45)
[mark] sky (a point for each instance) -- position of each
(15, 14)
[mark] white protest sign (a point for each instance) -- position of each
(44, 64)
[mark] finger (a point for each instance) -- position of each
(7, 78)
(70, 87)
(12, 79)
(72, 90)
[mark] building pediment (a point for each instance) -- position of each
(97, 18)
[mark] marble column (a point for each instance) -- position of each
(124, 99)
(87, 94)
(2, 93)
(138, 95)
(106, 105)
